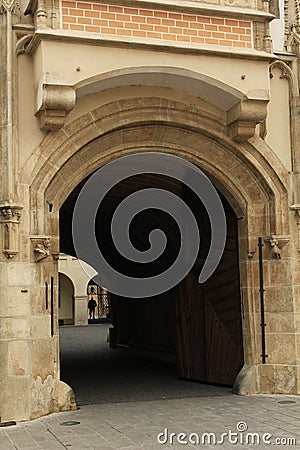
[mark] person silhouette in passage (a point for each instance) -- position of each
(92, 306)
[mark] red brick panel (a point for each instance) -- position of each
(152, 24)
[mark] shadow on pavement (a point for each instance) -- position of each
(99, 374)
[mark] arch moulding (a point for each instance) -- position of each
(245, 173)
(249, 175)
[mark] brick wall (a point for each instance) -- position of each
(155, 24)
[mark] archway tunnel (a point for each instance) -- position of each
(197, 327)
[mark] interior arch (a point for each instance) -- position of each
(199, 85)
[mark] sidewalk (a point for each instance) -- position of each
(136, 425)
(127, 401)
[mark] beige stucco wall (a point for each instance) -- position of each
(66, 297)
(102, 74)
(77, 271)
(278, 119)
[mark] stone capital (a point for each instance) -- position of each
(10, 212)
(54, 104)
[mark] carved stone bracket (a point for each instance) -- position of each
(250, 254)
(22, 44)
(54, 103)
(10, 218)
(243, 117)
(276, 243)
(41, 247)
(55, 256)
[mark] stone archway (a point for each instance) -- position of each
(249, 175)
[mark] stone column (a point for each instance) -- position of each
(80, 310)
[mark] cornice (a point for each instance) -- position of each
(138, 43)
(187, 7)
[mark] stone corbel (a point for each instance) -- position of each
(10, 218)
(56, 101)
(41, 247)
(55, 256)
(276, 243)
(243, 117)
(251, 253)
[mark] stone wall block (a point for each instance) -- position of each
(280, 322)
(17, 406)
(296, 298)
(45, 347)
(285, 378)
(18, 301)
(297, 337)
(279, 299)
(19, 274)
(255, 283)
(250, 353)
(40, 327)
(279, 272)
(266, 378)
(19, 359)
(280, 347)
(14, 327)
(41, 398)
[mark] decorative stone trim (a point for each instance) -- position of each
(277, 242)
(10, 218)
(41, 246)
(56, 101)
(243, 118)
(250, 253)
(7, 6)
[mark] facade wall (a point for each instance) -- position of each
(88, 96)
(116, 20)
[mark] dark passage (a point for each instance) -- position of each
(199, 325)
(99, 374)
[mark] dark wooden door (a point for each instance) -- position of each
(190, 338)
(209, 329)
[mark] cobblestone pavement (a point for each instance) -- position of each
(152, 405)
(136, 425)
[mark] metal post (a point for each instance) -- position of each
(52, 304)
(262, 303)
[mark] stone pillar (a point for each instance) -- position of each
(80, 310)
(29, 370)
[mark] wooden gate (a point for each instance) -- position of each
(209, 329)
